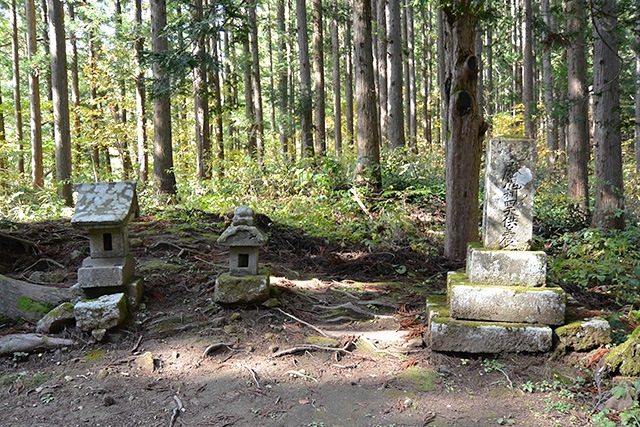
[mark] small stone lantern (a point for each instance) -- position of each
(244, 283)
(105, 209)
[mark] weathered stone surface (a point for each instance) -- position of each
(99, 334)
(106, 272)
(56, 319)
(105, 204)
(436, 307)
(506, 268)
(507, 221)
(584, 334)
(112, 242)
(242, 290)
(105, 312)
(517, 304)
(145, 362)
(626, 357)
(134, 291)
(484, 337)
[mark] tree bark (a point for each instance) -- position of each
(283, 89)
(75, 86)
(489, 94)
(60, 90)
(255, 79)
(348, 84)
(578, 133)
(37, 174)
(217, 94)
(123, 142)
(95, 107)
(320, 144)
(141, 122)
(17, 104)
(3, 141)
(306, 107)
(463, 151)
(201, 101)
(442, 80)
(248, 95)
(381, 6)
(395, 108)
(20, 300)
(367, 137)
(527, 70)
(411, 82)
(425, 29)
(337, 103)
(609, 204)
(271, 73)
(551, 128)
(163, 175)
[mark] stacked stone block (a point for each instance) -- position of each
(501, 303)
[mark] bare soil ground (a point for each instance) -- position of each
(182, 360)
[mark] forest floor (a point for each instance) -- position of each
(183, 360)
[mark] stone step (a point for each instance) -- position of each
(106, 272)
(518, 304)
(505, 268)
(446, 334)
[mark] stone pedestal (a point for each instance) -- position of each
(242, 289)
(501, 303)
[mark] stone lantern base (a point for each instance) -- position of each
(242, 289)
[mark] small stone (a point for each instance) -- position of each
(108, 401)
(145, 362)
(271, 303)
(99, 334)
(235, 316)
(414, 343)
(585, 335)
(102, 374)
(105, 312)
(56, 319)
(268, 336)
(273, 348)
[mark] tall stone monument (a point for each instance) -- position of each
(501, 303)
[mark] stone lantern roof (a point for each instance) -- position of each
(242, 232)
(105, 204)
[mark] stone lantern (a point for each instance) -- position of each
(245, 282)
(105, 209)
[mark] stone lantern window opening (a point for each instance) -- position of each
(243, 260)
(108, 243)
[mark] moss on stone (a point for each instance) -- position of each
(323, 341)
(38, 308)
(420, 378)
(626, 357)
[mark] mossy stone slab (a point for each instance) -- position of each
(242, 290)
(506, 268)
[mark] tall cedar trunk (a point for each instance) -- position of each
(306, 107)
(272, 100)
(217, 94)
(551, 128)
(395, 108)
(95, 107)
(442, 80)
(527, 70)
(282, 80)
(516, 37)
(609, 203)
(320, 144)
(231, 85)
(637, 139)
(255, 79)
(163, 176)
(463, 151)
(34, 99)
(123, 146)
(46, 73)
(367, 137)
(578, 132)
(426, 68)
(489, 95)
(75, 86)
(411, 79)
(17, 103)
(478, 51)
(381, 47)
(248, 99)
(337, 113)
(201, 101)
(348, 84)
(60, 102)
(141, 122)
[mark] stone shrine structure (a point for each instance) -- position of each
(245, 282)
(105, 209)
(501, 303)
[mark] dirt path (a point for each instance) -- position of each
(155, 363)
